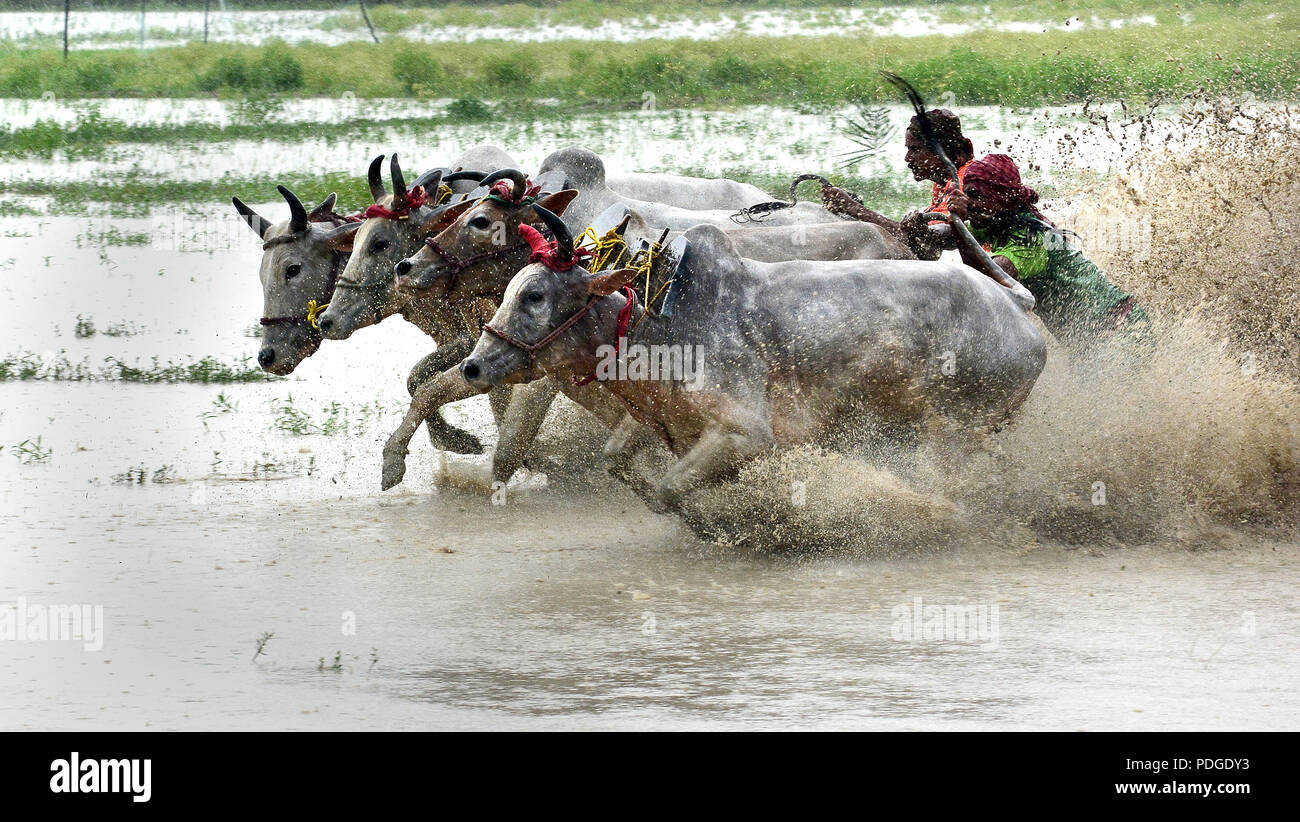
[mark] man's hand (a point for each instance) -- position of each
(838, 201)
(958, 204)
(914, 223)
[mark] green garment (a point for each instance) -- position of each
(1076, 300)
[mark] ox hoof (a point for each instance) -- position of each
(456, 441)
(394, 470)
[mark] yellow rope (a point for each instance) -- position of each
(644, 267)
(314, 311)
(606, 251)
(444, 194)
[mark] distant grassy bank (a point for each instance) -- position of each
(1247, 48)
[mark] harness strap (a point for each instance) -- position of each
(531, 349)
(624, 318)
(455, 265)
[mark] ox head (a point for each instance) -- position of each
(394, 226)
(301, 258)
(573, 167)
(554, 316)
(481, 250)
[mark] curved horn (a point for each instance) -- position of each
(514, 175)
(255, 221)
(563, 239)
(399, 183)
(377, 190)
(476, 176)
(324, 210)
(298, 214)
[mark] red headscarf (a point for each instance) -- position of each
(998, 181)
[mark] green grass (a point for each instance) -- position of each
(1227, 48)
(31, 366)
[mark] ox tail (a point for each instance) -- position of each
(759, 211)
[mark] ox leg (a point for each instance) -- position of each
(719, 455)
(443, 435)
(629, 439)
(499, 400)
(449, 386)
(519, 425)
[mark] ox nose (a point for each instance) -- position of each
(265, 357)
(470, 370)
(404, 267)
(325, 323)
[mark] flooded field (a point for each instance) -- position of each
(113, 29)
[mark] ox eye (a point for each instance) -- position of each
(292, 271)
(379, 245)
(534, 296)
(481, 223)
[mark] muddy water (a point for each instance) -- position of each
(1056, 142)
(199, 527)
(202, 518)
(560, 613)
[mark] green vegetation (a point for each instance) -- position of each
(32, 452)
(291, 419)
(32, 366)
(1225, 48)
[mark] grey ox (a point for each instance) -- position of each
(476, 256)
(788, 351)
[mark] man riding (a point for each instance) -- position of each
(1076, 301)
(925, 236)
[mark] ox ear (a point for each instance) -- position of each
(557, 202)
(323, 211)
(445, 216)
(340, 238)
(607, 282)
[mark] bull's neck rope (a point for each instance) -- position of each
(531, 349)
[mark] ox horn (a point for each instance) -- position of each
(255, 221)
(514, 175)
(563, 239)
(298, 214)
(324, 210)
(399, 183)
(377, 190)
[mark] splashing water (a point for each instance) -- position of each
(1189, 441)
